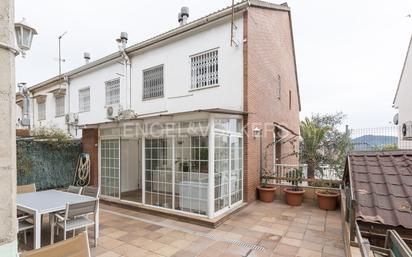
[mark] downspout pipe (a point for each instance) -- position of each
(67, 82)
(127, 64)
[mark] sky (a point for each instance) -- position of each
(349, 53)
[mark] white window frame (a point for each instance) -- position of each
(204, 69)
(84, 106)
(147, 96)
(60, 107)
(112, 91)
(41, 111)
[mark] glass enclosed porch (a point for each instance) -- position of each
(189, 164)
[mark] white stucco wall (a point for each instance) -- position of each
(174, 54)
(95, 80)
(175, 57)
(51, 119)
(403, 99)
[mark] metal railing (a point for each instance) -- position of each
(377, 139)
(364, 245)
(288, 174)
(396, 245)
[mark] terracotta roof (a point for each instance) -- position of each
(381, 184)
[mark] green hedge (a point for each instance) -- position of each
(48, 163)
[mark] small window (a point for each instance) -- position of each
(278, 87)
(290, 100)
(84, 100)
(204, 69)
(41, 111)
(153, 82)
(59, 101)
(113, 91)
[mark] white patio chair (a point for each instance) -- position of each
(22, 189)
(78, 246)
(23, 225)
(91, 191)
(87, 191)
(75, 217)
(74, 190)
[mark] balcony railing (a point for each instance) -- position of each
(287, 174)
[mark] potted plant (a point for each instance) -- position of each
(327, 199)
(266, 191)
(294, 195)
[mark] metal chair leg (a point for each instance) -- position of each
(52, 233)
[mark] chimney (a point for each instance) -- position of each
(183, 15)
(86, 57)
(122, 41)
(124, 36)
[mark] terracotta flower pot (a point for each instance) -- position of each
(266, 194)
(327, 200)
(294, 198)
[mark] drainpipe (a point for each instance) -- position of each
(26, 107)
(122, 41)
(66, 80)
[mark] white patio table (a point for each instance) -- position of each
(49, 201)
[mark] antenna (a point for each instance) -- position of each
(233, 27)
(60, 54)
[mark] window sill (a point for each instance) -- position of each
(205, 87)
(58, 116)
(84, 111)
(152, 98)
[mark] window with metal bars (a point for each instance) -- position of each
(84, 100)
(205, 69)
(153, 82)
(41, 111)
(59, 101)
(112, 91)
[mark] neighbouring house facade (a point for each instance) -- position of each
(402, 103)
(170, 123)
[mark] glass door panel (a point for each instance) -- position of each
(236, 169)
(191, 174)
(159, 172)
(109, 177)
(222, 171)
(130, 170)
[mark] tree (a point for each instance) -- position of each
(332, 148)
(313, 137)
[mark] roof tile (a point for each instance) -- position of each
(382, 186)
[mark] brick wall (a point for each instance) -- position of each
(268, 52)
(90, 141)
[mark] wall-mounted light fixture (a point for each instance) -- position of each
(257, 132)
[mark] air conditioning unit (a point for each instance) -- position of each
(72, 118)
(407, 130)
(113, 111)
